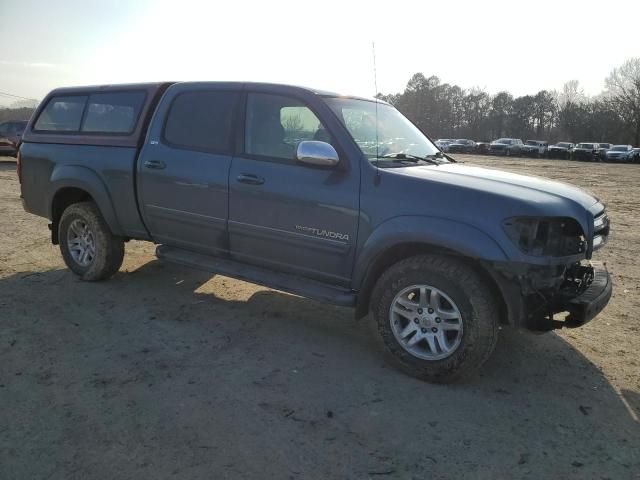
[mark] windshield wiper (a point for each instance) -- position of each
(413, 158)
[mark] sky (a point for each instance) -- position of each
(518, 46)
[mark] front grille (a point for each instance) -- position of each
(600, 229)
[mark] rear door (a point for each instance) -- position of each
(183, 169)
(284, 214)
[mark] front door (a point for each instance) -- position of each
(284, 214)
(184, 168)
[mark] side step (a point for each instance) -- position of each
(259, 275)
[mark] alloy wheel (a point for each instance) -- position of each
(426, 322)
(81, 242)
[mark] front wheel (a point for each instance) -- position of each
(436, 317)
(87, 245)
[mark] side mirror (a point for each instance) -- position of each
(317, 153)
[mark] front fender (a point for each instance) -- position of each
(454, 236)
(77, 176)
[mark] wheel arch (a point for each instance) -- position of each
(402, 251)
(62, 199)
(73, 184)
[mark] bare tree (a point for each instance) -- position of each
(293, 124)
(572, 93)
(623, 94)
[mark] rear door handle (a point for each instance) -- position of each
(250, 179)
(155, 164)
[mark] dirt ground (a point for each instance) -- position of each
(163, 372)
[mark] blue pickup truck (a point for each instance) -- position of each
(335, 198)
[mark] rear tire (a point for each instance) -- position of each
(463, 298)
(87, 245)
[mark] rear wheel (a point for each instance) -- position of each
(87, 245)
(436, 317)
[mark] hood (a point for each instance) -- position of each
(531, 189)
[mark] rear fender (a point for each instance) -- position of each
(77, 176)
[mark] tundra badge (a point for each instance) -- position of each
(324, 233)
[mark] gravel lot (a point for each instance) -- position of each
(163, 372)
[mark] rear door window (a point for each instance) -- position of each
(115, 112)
(62, 114)
(201, 120)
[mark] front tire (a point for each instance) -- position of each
(436, 318)
(87, 245)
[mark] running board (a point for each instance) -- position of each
(259, 275)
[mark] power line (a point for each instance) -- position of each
(17, 96)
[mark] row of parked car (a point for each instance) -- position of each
(586, 151)
(11, 134)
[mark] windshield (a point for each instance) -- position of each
(394, 134)
(532, 142)
(505, 141)
(585, 145)
(620, 148)
(563, 145)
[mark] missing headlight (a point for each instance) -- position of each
(546, 236)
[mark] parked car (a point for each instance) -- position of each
(462, 145)
(586, 152)
(535, 148)
(619, 153)
(271, 184)
(443, 144)
(634, 156)
(602, 150)
(562, 150)
(482, 148)
(506, 146)
(10, 136)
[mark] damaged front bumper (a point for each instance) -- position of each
(536, 297)
(585, 302)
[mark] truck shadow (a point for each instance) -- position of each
(176, 365)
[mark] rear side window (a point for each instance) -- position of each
(113, 112)
(106, 113)
(201, 120)
(62, 114)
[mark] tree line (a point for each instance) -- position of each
(21, 113)
(443, 110)
(450, 111)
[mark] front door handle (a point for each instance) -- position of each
(250, 179)
(155, 164)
